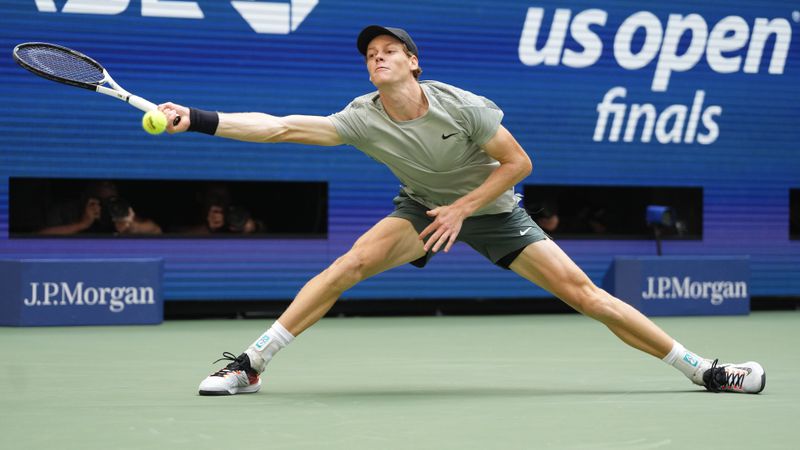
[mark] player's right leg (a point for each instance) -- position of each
(390, 243)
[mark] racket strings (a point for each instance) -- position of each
(60, 63)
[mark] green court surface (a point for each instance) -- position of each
(494, 382)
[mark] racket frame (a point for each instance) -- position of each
(114, 91)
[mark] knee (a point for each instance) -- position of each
(598, 304)
(346, 271)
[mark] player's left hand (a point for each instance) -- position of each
(445, 227)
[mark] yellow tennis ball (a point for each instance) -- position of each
(154, 122)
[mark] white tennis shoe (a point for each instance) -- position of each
(748, 377)
(238, 377)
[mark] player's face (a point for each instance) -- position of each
(387, 61)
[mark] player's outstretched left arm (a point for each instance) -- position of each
(256, 127)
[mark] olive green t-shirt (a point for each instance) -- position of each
(437, 157)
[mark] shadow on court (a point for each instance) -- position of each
(468, 392)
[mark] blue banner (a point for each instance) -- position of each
(81, 292)
(675, 286)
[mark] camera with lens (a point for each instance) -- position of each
(118, 208)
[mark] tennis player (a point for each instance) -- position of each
(458, 166)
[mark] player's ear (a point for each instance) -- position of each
(414, 62)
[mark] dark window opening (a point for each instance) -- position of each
(41, 207)
(613, 212)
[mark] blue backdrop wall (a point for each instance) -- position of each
(720, 79)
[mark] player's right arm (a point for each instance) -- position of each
(260, 127)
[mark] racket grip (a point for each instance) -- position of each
(141, 104)
(176, 121)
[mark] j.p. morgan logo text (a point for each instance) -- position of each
(65, 294)
(716, 292)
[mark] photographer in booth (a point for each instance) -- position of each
(125, 220)
(239, 220)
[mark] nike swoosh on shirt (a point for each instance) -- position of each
(449, 135)
(525, 231)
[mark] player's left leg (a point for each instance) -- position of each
(545, 264)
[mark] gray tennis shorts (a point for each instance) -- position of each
(498, 237)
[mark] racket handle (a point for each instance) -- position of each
(140, 103)
(144, 105)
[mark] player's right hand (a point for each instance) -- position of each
(172, 110)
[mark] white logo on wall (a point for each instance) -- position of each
(729, 46)
(716, 292)
(116, 298)
(263, 17)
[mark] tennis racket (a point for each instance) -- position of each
(71, 67)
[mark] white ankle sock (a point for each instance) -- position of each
(687, 362)
(267, 345)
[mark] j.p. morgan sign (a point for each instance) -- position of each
(715, 292)
(81, 292)
(115, 298)
(666, 286)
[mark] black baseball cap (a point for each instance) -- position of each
(371, 32)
